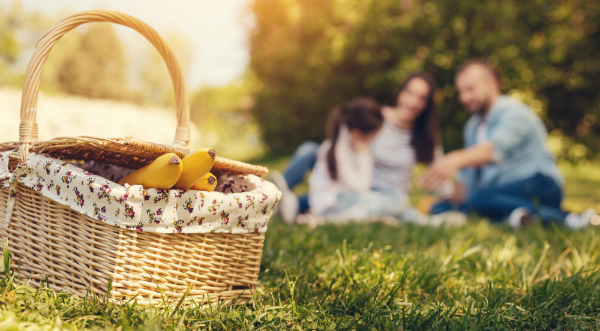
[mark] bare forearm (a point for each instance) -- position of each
(475, 156)
(447, 166)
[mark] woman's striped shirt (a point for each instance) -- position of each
(394, 159)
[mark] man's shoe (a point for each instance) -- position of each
(580, 221)
(521, 217)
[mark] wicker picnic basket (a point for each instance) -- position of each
(78, 252)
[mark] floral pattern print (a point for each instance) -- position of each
(4, 159)
(147, 209)
(224, 217)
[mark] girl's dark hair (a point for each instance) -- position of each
(362, 113)
(424, 130)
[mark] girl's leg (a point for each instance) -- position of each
(412, 215)
(302, 162)
(303, 205)
(366, 206)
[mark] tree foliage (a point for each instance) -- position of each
(90, 61)
(10, 47)
(223, 118)
(96, 67)
(309, 55)
(155, 83)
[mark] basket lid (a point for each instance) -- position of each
(131, 153)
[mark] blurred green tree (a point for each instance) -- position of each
(223, 118)
(309, 55)
(96, 67)
(10, 47)
(155, 84)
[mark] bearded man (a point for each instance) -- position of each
(505, 171)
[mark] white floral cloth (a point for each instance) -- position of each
(150, 210)
(4, 158)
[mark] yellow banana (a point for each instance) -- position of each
(206, 183)
(162, 173)
(195, 166)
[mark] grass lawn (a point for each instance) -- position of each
(376, 277)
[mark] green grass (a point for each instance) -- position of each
(376, 277)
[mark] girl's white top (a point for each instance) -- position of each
(354, 173)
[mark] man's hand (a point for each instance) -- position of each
(447, 166)
(438, 172)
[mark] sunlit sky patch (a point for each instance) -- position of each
(217, 31)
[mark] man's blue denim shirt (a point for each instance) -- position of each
(520, 151)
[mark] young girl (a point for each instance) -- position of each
(343, 172)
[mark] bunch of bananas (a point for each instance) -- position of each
(169, 171)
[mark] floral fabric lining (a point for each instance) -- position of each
(4, 158)
(150, 210)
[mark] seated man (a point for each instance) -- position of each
(505, 169)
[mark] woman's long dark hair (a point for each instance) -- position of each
(424, 129)
(362, 113)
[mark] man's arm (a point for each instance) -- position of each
(506, 136)
(446, 167)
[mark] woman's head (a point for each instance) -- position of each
(415, 99)
(362, 116)
(415, 94)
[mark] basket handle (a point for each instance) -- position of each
(28, 129)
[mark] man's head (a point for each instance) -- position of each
(477, 84)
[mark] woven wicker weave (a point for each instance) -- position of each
(76, 251)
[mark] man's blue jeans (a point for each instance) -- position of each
(540, 194)
(302, 162)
